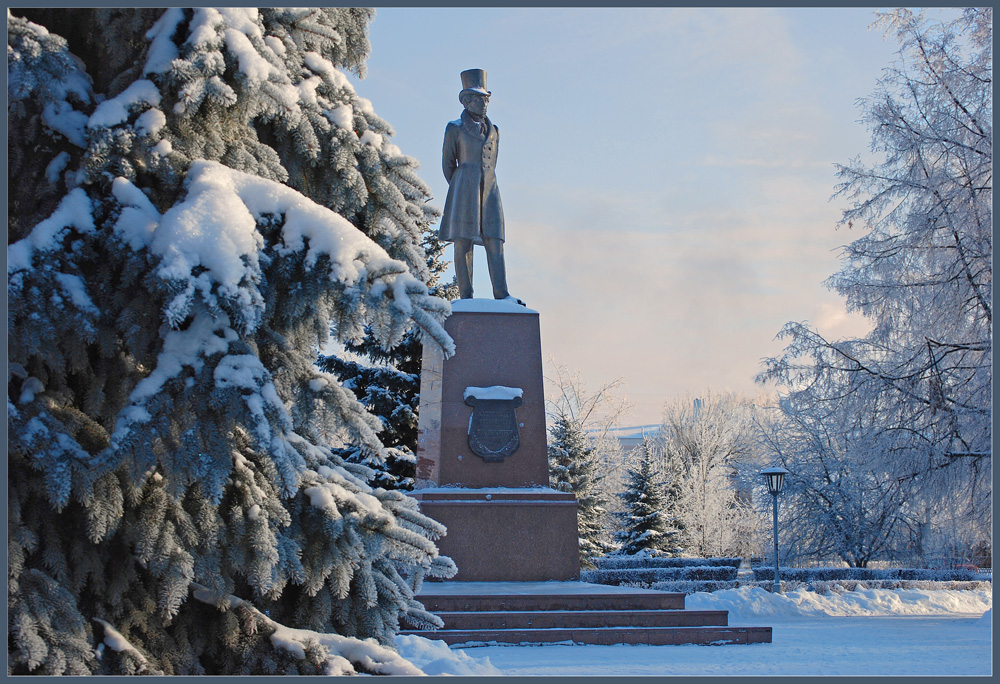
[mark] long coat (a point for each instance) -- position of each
(472, 209)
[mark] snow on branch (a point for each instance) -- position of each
(214, 232)
(344, 655)
(211, 250)
(114, 640)
(73, 213)
(40, 67)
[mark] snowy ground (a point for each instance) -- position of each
(874, 632)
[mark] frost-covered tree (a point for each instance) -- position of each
(708, 446)
(387, 382)
(921, 272)
(575, 466)
(225, 202)
(838, 501)
(582, 453)
(841, 502)
(645, 522)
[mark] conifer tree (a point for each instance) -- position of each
(646, 524)
(574, 466)
(675, 504)
(582, 452)
(387, 382)
(225, 201)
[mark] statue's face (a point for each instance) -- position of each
(475, 104)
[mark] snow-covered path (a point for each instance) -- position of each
(899, 645)
(876, 632)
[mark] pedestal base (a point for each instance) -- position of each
(506, 534)
(504, 523)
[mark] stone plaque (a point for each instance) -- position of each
(493, 432)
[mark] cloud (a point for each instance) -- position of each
(715, 160)
(726, 42)
(695, 303)
(835, 323)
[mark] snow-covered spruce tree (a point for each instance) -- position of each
(675, 487)
(172, 504)
(387, 382)
(921, 272)
(645, 524)
(583, 453)
(575, 466)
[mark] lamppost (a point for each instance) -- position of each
(775, 481)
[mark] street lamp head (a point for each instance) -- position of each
(775, 479)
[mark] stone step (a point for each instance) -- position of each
(551, 612)
(655, 636)
(640, 600)
(575, 619)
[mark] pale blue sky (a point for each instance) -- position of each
(665, 172)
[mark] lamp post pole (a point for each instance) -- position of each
(775, 480)
(776, 586)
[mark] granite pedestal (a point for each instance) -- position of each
(504, 522)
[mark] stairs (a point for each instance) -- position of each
(549, 612)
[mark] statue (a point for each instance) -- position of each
(473, 214)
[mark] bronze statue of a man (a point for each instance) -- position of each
(473, 214)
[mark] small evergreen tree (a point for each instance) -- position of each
(671, 470)
(582, 452)
(387, 383)
(574, 466)
(172, 498)
(645, 522)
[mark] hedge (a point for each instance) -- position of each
(689, 575)
(690, 587)
(646, 561)
(840, 586)
(765, 574)
(648, 576)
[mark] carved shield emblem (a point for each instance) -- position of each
(493, 431)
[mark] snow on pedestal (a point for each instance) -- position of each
(489, 306)
(496, 392)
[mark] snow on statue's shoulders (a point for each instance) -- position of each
(489, 306)
(493, 393)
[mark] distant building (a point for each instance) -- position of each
(631, 437)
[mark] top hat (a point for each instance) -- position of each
(474, 81)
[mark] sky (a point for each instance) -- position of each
(922, 632)
(666, 173)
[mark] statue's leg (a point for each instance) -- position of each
(498, 270)
(463, 267)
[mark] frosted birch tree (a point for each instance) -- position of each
(225, 202)
(921, 272)
(838, 501)
(709, 444)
